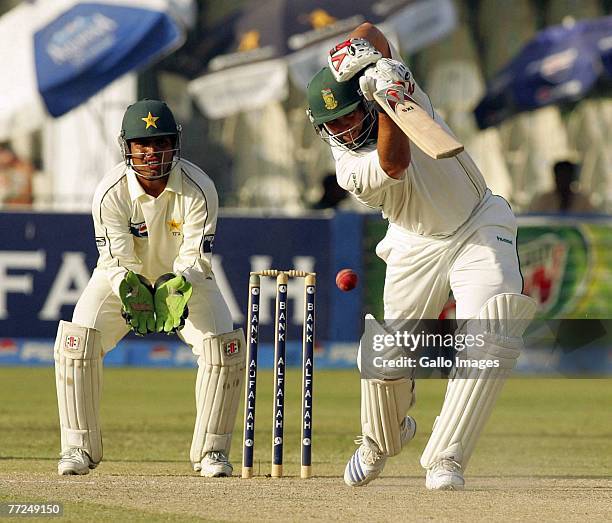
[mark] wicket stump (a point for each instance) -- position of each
(280, 339)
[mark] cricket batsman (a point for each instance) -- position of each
(155, 217)
(447, 231)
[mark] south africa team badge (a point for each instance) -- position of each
(328, 98)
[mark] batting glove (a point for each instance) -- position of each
(351, 56)
(385, 74)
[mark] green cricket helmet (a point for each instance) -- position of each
(329, 99)
(149, 119)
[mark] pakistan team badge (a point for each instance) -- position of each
(328, 97)
(150, 120)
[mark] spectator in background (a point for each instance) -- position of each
(333, 194)
(565, 198)
(15, 178)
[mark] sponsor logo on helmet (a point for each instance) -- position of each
(329, 100)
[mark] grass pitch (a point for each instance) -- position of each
(545, 454)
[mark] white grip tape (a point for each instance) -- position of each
(218, 391)
(78, 378)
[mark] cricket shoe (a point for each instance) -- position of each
(445, 474)
(367, 462)
(215, 465)
(74, 461)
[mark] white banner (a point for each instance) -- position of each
(241, 88)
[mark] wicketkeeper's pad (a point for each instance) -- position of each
(218, 390)
(78, 378)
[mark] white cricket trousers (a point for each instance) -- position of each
(99, 308)
(477, 262)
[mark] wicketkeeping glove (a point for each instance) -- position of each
(171, 296)
(136, 296)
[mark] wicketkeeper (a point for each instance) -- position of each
(446, 232)
(155, 217)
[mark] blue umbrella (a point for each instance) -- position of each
(56, 54)
(561, 64)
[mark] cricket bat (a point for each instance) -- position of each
(422, 129)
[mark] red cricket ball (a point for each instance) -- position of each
(346, 280)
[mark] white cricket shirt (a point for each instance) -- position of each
(433, 198)
(153, 236)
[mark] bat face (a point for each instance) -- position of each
(421, 128)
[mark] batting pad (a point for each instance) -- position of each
(470, 396)
(78, 379)
(218, 390)
(384, 404)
